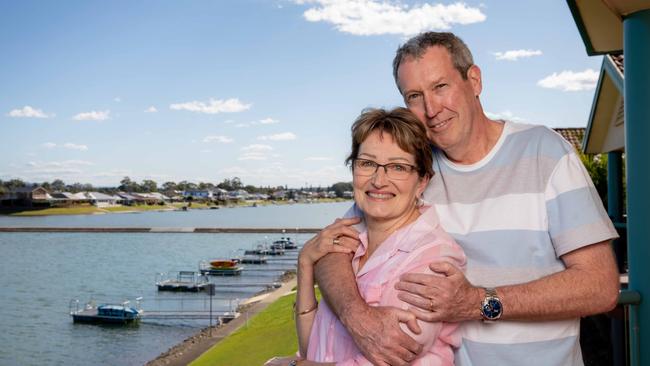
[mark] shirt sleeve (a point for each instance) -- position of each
(576, 217)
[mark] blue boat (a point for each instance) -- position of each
(105, 313)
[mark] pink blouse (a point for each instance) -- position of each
(410, 249)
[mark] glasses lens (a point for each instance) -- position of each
(365, 167)
(398, 171)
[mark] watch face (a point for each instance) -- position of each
(492, 309)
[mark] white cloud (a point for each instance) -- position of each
(229, 121)
(213, 106)
(505, 115)
(255, 152)
(92, 116)
(49, 145)
(371, 17)
(268, 121)
(70, 145)
(571, 81)
(218, 138)
(66, 167)
(257, 147)
(514, 55)
(279, 137)
(151, 109)
(242, 125)
(117, 99)
(28, 112)
(318, 158)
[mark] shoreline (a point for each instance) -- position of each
(86, 209)
(194, 346)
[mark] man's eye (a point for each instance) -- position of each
(440, 86)
(412, 97)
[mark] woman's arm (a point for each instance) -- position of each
(306, 304)
(329, 240)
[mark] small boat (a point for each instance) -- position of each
(253, 259)
(284, 243)
(220, 267)
(224, 263)
(105, 313)
(259, 250)
(185, 281)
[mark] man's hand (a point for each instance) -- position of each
(446, 295)
(377, 333)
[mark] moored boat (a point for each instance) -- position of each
(220, 267)
(105, 313)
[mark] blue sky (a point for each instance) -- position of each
(265, 90)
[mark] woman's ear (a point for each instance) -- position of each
(422, 185)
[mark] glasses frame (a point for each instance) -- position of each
(385, 166)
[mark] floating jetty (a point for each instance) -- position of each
(185, 281)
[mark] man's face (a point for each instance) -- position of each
(446, 103)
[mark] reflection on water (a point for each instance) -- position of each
(41, 272)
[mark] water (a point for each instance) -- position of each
(280, 216)
(41, 272)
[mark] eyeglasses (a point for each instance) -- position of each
(396, 171)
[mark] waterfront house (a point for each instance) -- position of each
(199, 194)
(26, 196)
(99, 199)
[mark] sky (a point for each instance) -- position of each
(264, 90)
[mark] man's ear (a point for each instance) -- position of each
(474, 77)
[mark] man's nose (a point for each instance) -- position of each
(431, 106)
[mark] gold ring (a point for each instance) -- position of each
(336, 241)
(431, 305)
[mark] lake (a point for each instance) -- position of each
(40, 273)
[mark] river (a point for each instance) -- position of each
(40, 273)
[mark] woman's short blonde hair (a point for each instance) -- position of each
(403, 126)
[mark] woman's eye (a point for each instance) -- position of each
(366, 164)
(399, 167)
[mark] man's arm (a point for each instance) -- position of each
(375, 330)
(588, 285)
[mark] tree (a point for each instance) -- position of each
(169, 188)
(127, 185)
(57, 185)
(149, 186)
(596, 166)
(341, 187)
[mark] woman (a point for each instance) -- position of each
(391, 164)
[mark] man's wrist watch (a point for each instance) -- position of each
(491, 307)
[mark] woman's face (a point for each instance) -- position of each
(379, 197)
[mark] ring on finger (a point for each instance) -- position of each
(336, 241)
(431, 305)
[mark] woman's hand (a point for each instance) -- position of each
(339, 237)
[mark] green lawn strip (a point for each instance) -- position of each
(137, 208)
(270, 333)
(81, 210)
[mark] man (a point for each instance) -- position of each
(518, 201)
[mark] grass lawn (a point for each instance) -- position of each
(137, 208)
(80, 210)
(270, 333)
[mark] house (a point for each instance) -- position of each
(102, 200)
(618, 126)
(279, 195)
(199, 194)
(68, 199)
(27, 196)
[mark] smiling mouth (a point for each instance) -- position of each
(440, 125)
(380, 196)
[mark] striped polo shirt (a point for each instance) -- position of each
(515, 213)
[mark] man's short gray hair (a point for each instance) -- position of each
(418, 45)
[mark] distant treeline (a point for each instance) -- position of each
(147, 185)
